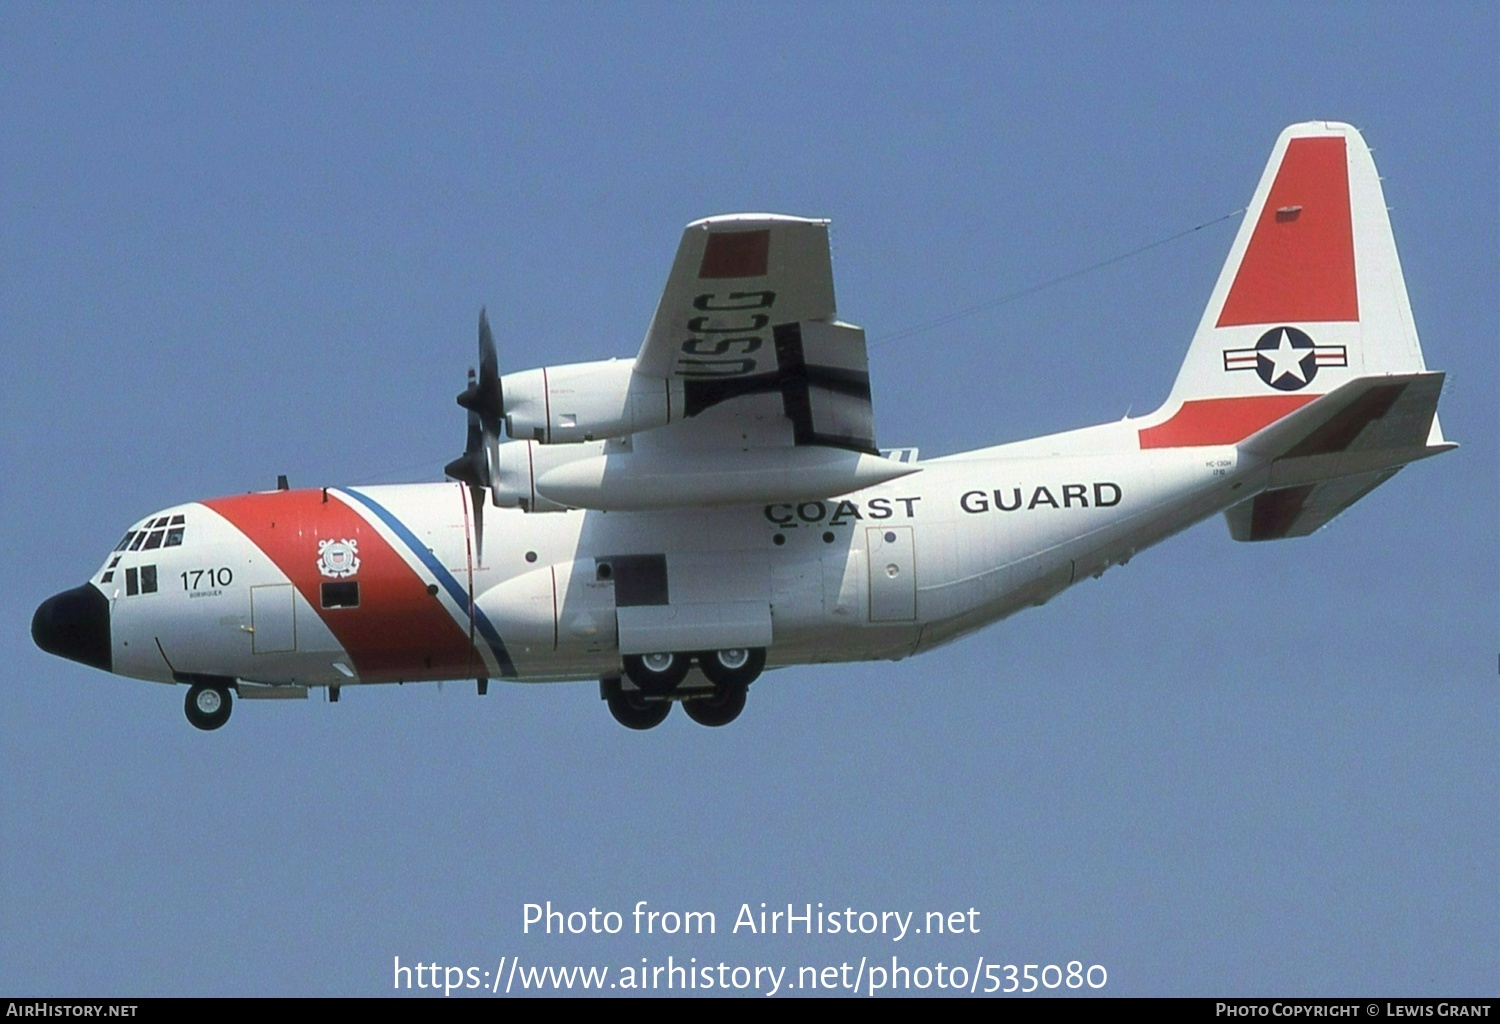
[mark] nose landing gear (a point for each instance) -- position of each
(208, 705)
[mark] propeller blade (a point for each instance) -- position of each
(477, 496)
(484, 395)
(478, 466)
(489, 360)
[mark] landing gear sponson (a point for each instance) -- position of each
(655, 679)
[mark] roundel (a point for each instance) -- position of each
(1286, 358)
(338, 557)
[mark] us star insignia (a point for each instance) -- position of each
(1286, 358)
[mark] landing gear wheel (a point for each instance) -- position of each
(737, 666)
(720, 709)
(657, 674)
(207, 707)
(632, 709)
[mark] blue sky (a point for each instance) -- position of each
(243, 241)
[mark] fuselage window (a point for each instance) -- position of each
(148, 579)
(132, 582)
(341, 595)
(107, 576)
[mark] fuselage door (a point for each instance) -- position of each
(893, 576)
(273, 619)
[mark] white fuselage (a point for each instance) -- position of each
(402, 593)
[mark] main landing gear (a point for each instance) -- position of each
(208, 705)
(656, 678)
(632, 708)
(722, 705)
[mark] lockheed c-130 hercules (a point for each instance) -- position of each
(673, 524)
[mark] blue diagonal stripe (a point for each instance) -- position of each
(455, 589)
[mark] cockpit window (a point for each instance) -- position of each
(156, 532)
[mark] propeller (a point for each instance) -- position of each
(486, 404)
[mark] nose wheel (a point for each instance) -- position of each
(208, 706)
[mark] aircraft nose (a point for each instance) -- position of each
(75, 625)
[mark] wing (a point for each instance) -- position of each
(747, 327)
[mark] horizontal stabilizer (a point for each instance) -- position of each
(1298, 511)
(1327, 455)
(1367, 424)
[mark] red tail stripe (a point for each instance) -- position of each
(1220, 420)
(1299, 265)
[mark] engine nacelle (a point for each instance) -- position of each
(521, 463)
(587, 402)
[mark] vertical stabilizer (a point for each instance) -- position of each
(1311, 297)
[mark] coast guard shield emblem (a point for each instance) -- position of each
(338, 558)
